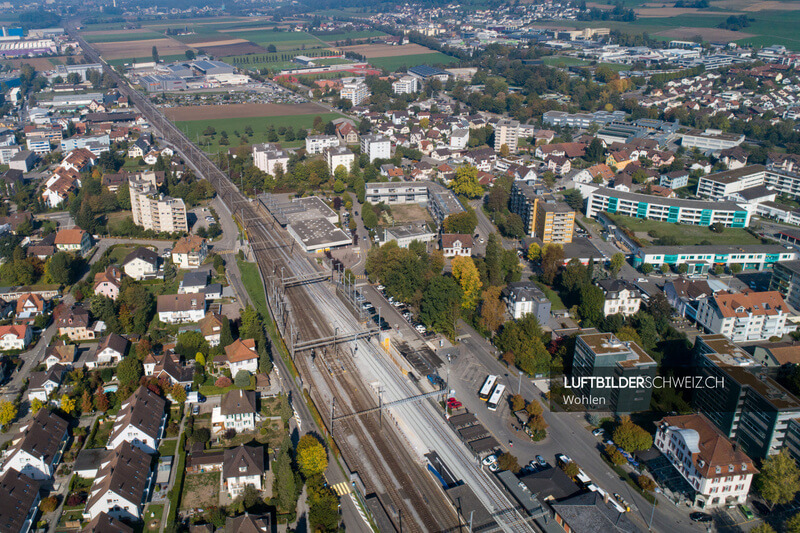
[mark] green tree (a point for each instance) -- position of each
(735, 268)
(792, 525)
(368, 216)
(59, 267)
(534, 252)
(645, 483)
(779, 479)
(617, 260)
(595, 151)
(190, 55)
(614, 455)
(591, 304)
(664, 268)
(311, 456)
(36, 404)
(129, 371)
(440, 304)
(507, 461)
(631, 437)
(155, 54)
(178, 393)
(552, 259)
(464, 222)
(242, 379)
(284, 486)
(8, 412)
(465, 182)
(646, 268)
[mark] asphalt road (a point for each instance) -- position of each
(567, 433)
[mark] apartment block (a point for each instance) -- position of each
(339, 156)
(786, 280)
(269, 157)
(721, 185)
(376, 147)
(154, 211)
(354, 90)
(701, 258)
(543, 216)
(603, 355)
(745, 317)
(506, 133)
(711, 140)
(406, 85)
(674, 210)
(738, 397)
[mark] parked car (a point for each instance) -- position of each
(489, 460)
(700, 517)
(745, 510)
(563, 458)
(598, 432)
(493, 467)
(541, 461)
(452, 403)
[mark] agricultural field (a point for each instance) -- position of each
(334, 37)
(120, 36)
(684, 235)
(131, 49)
(283, 40)
(194, 128)
(393, 63)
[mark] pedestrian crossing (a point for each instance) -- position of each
(342, 488)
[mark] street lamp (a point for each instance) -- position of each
(519, 385)
(653, 512)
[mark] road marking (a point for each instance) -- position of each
(342, 488)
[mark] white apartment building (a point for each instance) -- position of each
(711, 140)
(745, 317)
(37, 452)
(121, 484)
(376, 147)
(721, 185)
(316, 144)
(354, 90)
(622, 297)
(459, 139)
(506, 132)
(719, 472)
(140, 421)
(412, 192)
(268, 157)
(154, 211)
(339, 155)
(406, 85)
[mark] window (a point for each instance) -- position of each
(718, 469)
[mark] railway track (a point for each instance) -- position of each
(408, 485)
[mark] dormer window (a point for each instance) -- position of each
(730, 468)
(242, 469)
(718, 469)
(744, 467)
(701, 463)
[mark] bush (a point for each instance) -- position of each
(223, 381)
(646, 483)
(49, 504)
(614, 455)
(242, 379)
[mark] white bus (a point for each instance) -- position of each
(486, 389)
(496, 396)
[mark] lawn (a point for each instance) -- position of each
(283, 40)
(122, 37)
(200, 490)
(148, 59)
(168, 447)
(333, 37)
(252, 284)
(393, 63)
(194, 128)
(99, 436)
(152, 516)
(685, 235)
(276, 61)
(118, 253)
(555, 299)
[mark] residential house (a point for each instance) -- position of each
(240, 355)
(139, 148)
(524, 297)
(15, 337)
(168, 366)
(121, 485)
(248, 523)
(41, 384)
(211, 327)
(108, 282)
(243, 466)
(140, 421)
(600, 173)
(110, 351)
(236, 410)
(180, 308)
(28, 307)
(103, 523)
(193, 282)
(37, 452)
(621, 297)
(684, 295)
(719, 471)
(60, 353)
(346, 133)
(190, 252)
(20, 502)
(44, 248)
(74, 322)
(454, 244)
(140, 264)
(73, 240)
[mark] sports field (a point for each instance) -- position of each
(393, 63)
(565, 61)
(194, 128)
